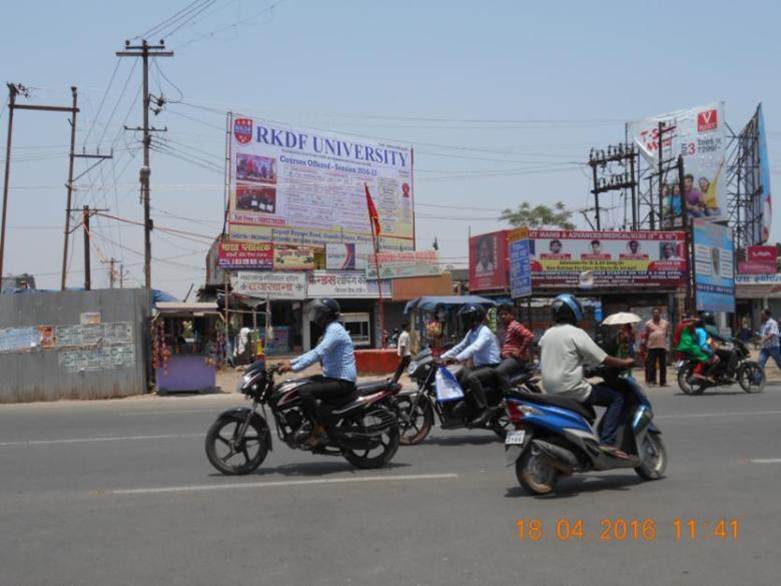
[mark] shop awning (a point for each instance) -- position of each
(431, 303)
(181, 309)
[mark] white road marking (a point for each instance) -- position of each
(112, 438)
(281, 483)
(766, 461)
(722, 414)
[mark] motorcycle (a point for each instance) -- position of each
(555, 436)
(738, 369)
(365, 432)
(418, 408)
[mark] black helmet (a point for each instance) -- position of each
(472, 314)
(567, 309)
(708, 318)
(325, 310)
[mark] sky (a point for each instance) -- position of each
(501, 100)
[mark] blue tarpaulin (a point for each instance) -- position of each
(430, 303)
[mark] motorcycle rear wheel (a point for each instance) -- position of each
(418, 422)
(388, 441)
(751, 377)
(231, 457)
(535, 472)
(688, 383)
(654, 456)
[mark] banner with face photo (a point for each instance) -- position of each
(488, 261)
(700, 137)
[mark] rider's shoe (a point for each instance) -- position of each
(614, 451)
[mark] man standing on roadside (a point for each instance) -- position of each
(404, 350)
(769, 339)
(655, 340)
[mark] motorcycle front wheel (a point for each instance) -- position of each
(231, 455)
(751, 377)
(386, 444)
(654, 458)
(416, 418)
(688, 383)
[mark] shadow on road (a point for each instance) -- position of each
(716, 393)
(313, 469)
(458, 440)
(584, 483)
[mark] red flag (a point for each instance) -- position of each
(374, 216)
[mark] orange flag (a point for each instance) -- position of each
(374, 216)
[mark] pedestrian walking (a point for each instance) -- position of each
(655, 342)
(769, 340)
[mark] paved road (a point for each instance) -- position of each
(121, 493)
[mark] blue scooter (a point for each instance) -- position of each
(555, 436)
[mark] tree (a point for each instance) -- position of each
(540, 216)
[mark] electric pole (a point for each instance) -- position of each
(85, 223)
(111, 264)
(145, 51)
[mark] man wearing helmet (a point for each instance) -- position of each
(335, 352)
(565, 350)
(481, 347)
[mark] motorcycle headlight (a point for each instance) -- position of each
(243, 381)
(413, 366)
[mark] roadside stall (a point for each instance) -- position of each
(434, 320)
(188, 346)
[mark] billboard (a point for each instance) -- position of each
(394, 265)
(245, 255)
(714, 278)
(294, 258)
(345, 284)
(570, 259)
(760, 260)
(294, 185)
(270, 285)
(764, 176)
(346, 256)
(700, 136)
(520, 263)
(488, 261)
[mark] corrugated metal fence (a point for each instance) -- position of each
(73, 345)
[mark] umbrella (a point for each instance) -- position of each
(621, 318)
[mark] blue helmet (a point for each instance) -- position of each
(566, 308)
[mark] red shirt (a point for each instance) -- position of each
(517, 340)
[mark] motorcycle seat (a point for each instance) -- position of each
(586, 411)
(371, 387)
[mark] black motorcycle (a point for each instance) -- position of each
(735, 366)
(365, 430)
(416, 409)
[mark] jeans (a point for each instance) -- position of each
(507, 369)
(321, 387)
(472, 381)
(766, 353)
(613, 400)
(403, 364)
(656, 355)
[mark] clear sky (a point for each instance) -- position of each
(501, 100)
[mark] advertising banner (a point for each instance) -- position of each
(714, 277)
(345, 284)
(294, 258)
(700, 136)
(520, 263)
(347, 256)
(270, 285)
(298, 185)
(569, 259)
(393, 265)
(245, 255)
(488, 261)
(764, 176)
(760, 260)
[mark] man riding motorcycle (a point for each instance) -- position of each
(515, 348)
(479, 345)
(565, 350)
(336, 354)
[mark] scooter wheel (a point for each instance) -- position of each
(535, 472)
(654, 456)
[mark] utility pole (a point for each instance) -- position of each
(87, 272)
(15, 89)
(145, 51)
(121, 276)
(612, 179)
(111, 264)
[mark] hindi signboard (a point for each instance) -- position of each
(294, 258)
(760, 260)
(714, 277)
(295, 185)
(233, 255)
(520, 263)
(345, 284)
(570, 259)
(270, 285)
(394, 265)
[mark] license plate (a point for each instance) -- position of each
(515, 438)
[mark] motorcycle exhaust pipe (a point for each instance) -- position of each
(561, 458)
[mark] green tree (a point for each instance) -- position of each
(540, 216)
